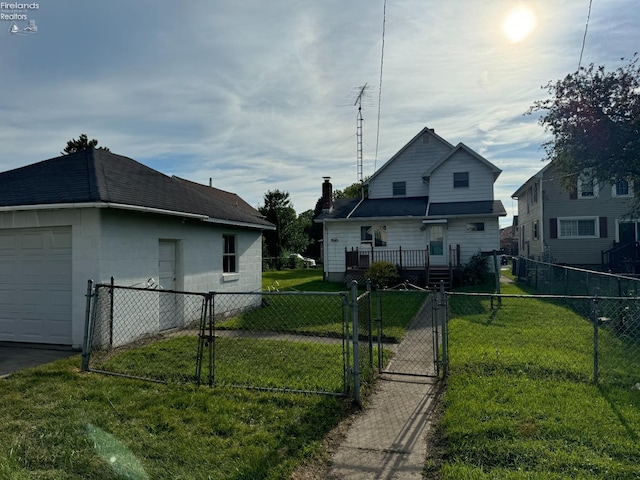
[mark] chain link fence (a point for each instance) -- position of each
(579, 338)
(408, 321)
(291, 341)
(314, 342)
(555, 279)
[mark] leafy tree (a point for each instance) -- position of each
(593, 116)
(82, 143)
(279, 210)
(352, 191)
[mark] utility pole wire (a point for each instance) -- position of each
(384, 22)
(584, 38)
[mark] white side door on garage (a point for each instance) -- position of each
(35, 285)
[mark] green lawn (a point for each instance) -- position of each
(520, 402)
(304, 280)
(58, 423)
(322, 315)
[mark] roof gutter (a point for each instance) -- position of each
(239, 224)
(368, 219)
(67, 206)
(135, 208)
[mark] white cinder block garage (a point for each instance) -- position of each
(92, 215)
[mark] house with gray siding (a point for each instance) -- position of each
(587, 225)
(93, 215)
(428, 209)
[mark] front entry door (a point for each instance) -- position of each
(436, 244)
(627, 232)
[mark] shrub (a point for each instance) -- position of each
(383, 274)
(476, 271)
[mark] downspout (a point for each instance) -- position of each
(355, 208)
(541, 201)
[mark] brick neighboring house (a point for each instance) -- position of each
(429, 209)
(587, 227)
(93, 215)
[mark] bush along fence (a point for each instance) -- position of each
(577, 338)
(311, 342)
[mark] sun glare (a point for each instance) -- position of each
(518, 24)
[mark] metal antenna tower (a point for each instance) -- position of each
(358, 102)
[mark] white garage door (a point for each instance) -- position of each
(35, 285)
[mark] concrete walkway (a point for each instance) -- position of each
(388, 441)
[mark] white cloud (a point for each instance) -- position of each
(259, 95)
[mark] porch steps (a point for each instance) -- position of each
(436, 274)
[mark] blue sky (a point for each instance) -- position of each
(259, 95)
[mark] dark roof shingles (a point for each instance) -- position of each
(100, 176)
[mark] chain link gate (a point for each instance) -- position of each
(409, 329)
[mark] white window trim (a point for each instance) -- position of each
(596, 191)
(596, 223)
(614, 191)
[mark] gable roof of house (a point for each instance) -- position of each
(539, 174)
(98, 177)
(428, 131)
(462, 147)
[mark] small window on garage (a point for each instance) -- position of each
(229, 259)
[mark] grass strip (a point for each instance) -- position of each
(520, 402)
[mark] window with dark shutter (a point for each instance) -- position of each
(603, 227)
(553, 228)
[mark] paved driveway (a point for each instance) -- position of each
(16, 356)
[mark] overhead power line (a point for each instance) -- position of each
(384, 22)
(584, 37)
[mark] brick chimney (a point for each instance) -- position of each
(327, 195)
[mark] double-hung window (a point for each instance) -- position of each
(229, 258)
(461, 180)
(622, 188)
(587, 187)
(399, 189)
(377, 235)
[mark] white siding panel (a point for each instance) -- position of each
(473, 242)
(480, 180)
(409, 167)
(407, 234)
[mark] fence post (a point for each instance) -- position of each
(111, 297)
(86, 349)
(211, 339)
(370, 323)
(346, 304)
(595, 339)
(356, 359)
(379, 323)
(445, 346)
